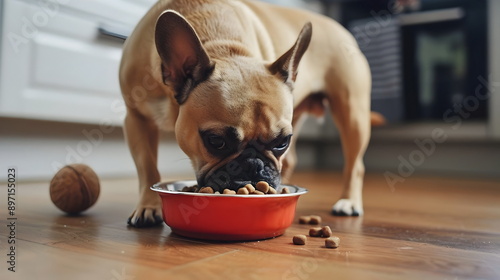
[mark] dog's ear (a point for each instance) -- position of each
(185, 63)
(286, 66)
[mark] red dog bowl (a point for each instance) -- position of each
(227, 217)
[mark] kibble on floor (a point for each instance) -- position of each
(332, 242)
(299, 239)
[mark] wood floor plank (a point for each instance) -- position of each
(36, 261)
(308, 264)
(362, 251)
(147, 247)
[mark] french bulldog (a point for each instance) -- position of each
(233, 80)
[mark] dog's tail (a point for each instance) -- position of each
(377, 119)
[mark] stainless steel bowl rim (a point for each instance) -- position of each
(175, 187)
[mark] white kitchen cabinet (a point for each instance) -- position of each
(56, 64)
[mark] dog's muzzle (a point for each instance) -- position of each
(248, 168)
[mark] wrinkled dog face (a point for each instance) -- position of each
(235, 112)
(236, 125)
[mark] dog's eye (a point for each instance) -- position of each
(220, 144)
(282, 145)
(217, 142)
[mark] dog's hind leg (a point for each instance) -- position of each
(349, 98)
(314, 105)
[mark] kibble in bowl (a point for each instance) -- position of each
(227, 216)
(260, 188)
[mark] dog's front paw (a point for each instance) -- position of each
(146, 216)
(346, 207)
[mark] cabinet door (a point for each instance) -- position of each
(56, 65)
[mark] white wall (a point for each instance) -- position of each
(38, 148)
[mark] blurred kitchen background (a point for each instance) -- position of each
(436, 79)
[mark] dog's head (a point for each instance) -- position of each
(235, 113)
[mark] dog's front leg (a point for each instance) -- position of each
(142, 138)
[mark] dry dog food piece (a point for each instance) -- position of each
(311, 219)
(262, 186)
(326, 231)
(315, 232)
(272, 190)
(242, 191)
(250, 188)
(315, 220)
(257, 192)
(206, 190)
(228, 191)
(299, 239)
(304, 219)
(332, 242)
(285, 190)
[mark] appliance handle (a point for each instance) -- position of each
(432, 16)
(114, 31)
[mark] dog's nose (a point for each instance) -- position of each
(253, 167)
(255, 170)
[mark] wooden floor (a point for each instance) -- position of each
(424, 228)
